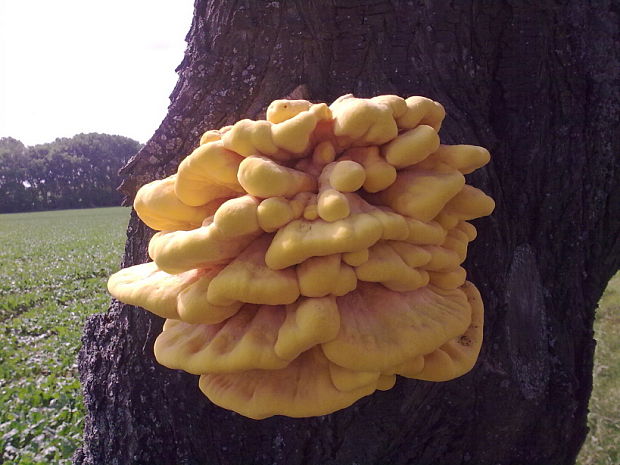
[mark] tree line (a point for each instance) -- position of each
(76, 172)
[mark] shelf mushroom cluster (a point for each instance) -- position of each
(304, 260)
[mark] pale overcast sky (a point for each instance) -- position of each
(71, 66)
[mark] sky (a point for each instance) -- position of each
(72, 66)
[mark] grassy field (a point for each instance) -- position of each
(603, 444)
(53, 270)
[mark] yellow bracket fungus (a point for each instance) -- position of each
(305, 260)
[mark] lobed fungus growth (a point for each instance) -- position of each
(305, 260)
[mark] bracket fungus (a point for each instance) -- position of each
(305, 260)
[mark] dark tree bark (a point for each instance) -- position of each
(534, 82)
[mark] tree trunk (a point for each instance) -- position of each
(536, 84)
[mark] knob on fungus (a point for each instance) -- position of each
(305, 260)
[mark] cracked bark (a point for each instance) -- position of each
(535, 82)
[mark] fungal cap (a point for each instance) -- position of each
(248, 137)
(355, 258)
(385, 266)
(417, 323)
(248, 279)
(149, 287)
(448, 279)
(263, 177)
(457, 356)
(293, 135)
(282, 110)
(308, 322)
(397, 104)
(210, 136)
(362, 122)
(421, 194)
(300, 239)
(470, 203)
(160, 209)
(193, 306)
(348, 380)
(465, 158)
(323, 153)
(242, 342)
(237, 217)
(332, 205)
(321, 276)
(347, 176)
(304, 388)
(421, 110)
(208, 173)
(178, 251)
(411, 147)
(379, 173)
(275, 212)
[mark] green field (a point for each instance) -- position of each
(603, 444)
(53, 270)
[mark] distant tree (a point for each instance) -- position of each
(76, 172)
(14, 192)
